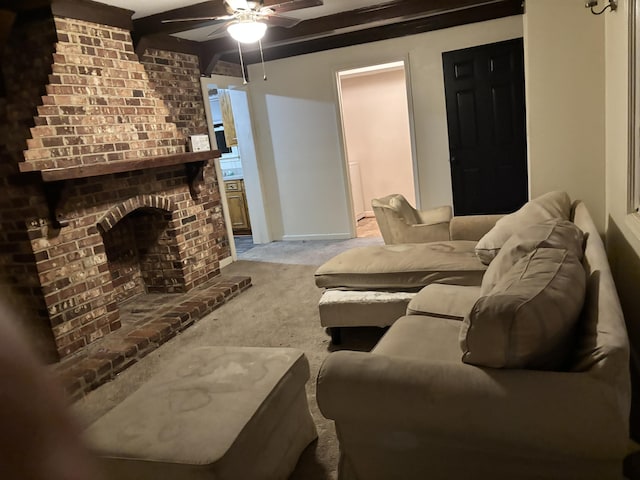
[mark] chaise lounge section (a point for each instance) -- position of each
(372, 286)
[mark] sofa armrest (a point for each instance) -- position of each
(471, 227)
(422, 233)
(433, 227)
(570, 413)
(435, 215)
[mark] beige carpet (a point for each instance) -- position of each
(280, 309)
(304, 252)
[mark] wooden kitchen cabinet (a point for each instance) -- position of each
(228, 122)
(238, 210)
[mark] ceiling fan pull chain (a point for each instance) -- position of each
(264, 71)
(244, 78)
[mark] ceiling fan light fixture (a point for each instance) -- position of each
(247, 31)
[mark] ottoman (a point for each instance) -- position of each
(214, 413)
(348, 308)
(371, 286)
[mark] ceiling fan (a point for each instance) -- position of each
(247, 20)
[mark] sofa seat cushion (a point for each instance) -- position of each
(404, 267)
(426, 338)
(550, 205)
(553, 233)
(528, 318)
(444, 301)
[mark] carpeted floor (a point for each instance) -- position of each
(304, 252)
(280, 309)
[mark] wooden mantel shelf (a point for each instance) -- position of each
(54, 178)
(95, 170)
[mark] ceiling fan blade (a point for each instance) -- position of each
(282, 6)
(281, 21)
(196, 19)
(218, 29)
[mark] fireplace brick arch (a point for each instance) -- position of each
(117, 213)
(143, 243)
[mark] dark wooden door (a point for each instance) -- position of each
(484, 90)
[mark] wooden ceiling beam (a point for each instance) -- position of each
(87, 10)
(95, 12)
(385, 32)
(212, 8)
(24, 5)
(390, 12)
(406, 19)
(6, 22)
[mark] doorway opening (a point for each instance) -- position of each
(229, 119)
(486, 116)
(376, 127)
(232, 182)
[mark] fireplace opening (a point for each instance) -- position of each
(143, 255)
(146, 262)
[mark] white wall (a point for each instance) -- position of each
(564, 68)
(298, 137)
(376, 125)
(623, 229)
(252, 170)
(617, 127)
(617, 110)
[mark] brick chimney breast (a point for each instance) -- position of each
(100, 104)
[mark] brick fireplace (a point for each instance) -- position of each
(103, 205)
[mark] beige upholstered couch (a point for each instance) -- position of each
(371, 286)
(413, 408)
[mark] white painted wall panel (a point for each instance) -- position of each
(301, 93)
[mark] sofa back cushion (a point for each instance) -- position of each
(550, 205)
(528, 318)
(553, 233)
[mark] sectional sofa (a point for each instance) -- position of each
(524, 374)
(371, 286)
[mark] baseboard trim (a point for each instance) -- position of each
(318, 236)
(225, 262)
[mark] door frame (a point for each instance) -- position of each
(251, 170)
(404, 60)
(519, 175)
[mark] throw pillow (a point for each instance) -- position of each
(527, 320)
(552, 233)
(549, 205)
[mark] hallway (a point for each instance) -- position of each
(367, 227)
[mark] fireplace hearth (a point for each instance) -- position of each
(148, 321)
